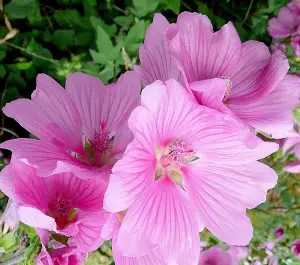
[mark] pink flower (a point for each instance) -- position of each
(111, 230)
(237, 253)
(292, 145)
(215, 256)
(60, 204)
(295, 42)
(242, 79)
(287, 23)
(279, 48)
(185, 168)
(296, 248)
(82, 129)
(279, 232)
(61, 256)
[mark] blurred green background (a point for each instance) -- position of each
(102, 38)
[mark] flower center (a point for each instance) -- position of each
(61, 208)
(228, 87)
(172, 158)
(98, 149)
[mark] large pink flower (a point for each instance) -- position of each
(82, 129)
(185, 168)
(215, 256)
(295, 43)
(221, 72)
(60, 204)
(287, 23)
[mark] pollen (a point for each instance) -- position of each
(228, 87)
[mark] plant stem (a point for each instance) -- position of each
(9, 131)
(248, 11)
(14, 260)
(31, 53)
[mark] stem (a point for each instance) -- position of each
(31, 53)
(248, 11)
(14, 260)
(9, 131)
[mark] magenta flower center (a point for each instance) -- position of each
(172, 158)
(97, 150)
(61, 208)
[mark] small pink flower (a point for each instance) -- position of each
(81, 129)
(215, 256)
(287, 23)
(292, 145)
(279, 48)
(296, 248)
(279, 232)
(237, 253)
(60, 204)
(60, 256)
(295, 42)
(186, 168)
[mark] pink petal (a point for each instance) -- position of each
(90, 226)
(137, 168)
(293, 167)
(35, 218)
(290, 142)
(109, 226)
(30, 189)
(10, 216)
(257, 73)
(155, 57)
(174, 111)
(86, 195)
(99, 104)
(6, 182)
(51, 115)
(161, 216)
(152, 258)
(49, 159)
(202, 54)
(273, 113)
(210, 93)
(222, 213)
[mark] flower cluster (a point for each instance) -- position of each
(285, 28)
(150, 170)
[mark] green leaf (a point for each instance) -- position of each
(107, 73)
(143, 7)
(63, 38)
(136, 33)
(18, 9)
(24, 65)
(124, 21)
(110, 29)
(99, 58)
(2, 71)
(173, 5)
(103, 42)
(8, 241)
(2, 54)
(9, 94)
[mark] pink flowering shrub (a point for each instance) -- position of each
(151, 170)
